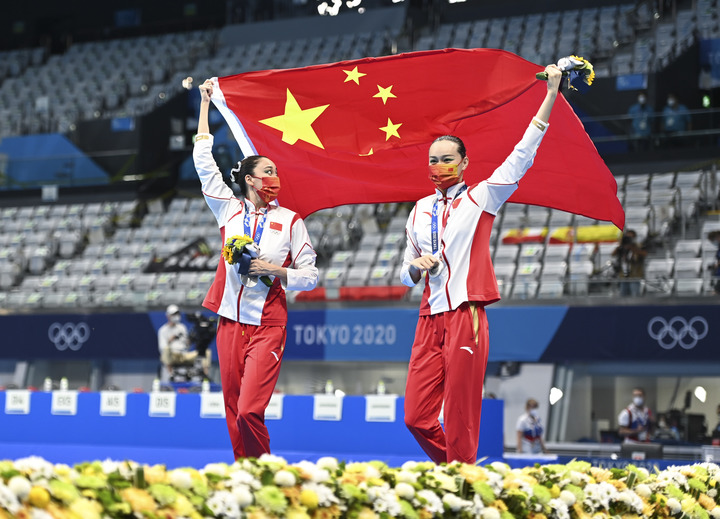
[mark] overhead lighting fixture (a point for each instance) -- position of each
(555, 395)
(701, 394)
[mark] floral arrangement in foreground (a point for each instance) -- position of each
(269, 487)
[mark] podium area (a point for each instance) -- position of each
(178, 429)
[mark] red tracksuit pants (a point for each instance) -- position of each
(250, 358)
(448, 362)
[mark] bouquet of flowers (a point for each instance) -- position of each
(579, 72)
(239, 251)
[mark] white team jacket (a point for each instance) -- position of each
(284, 241)
(464, 244)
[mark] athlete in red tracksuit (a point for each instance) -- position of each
(253, 317)
(448, 238)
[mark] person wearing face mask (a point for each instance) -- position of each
(253, 316)
(675, 119)
(448, 244)
(640, 123)
(635, 420)
(530, 430)
(173, 343)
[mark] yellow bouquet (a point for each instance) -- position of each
(240, 251)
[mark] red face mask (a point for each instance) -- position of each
(444, 175)
(270, 188)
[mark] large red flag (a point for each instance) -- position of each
(359, 131)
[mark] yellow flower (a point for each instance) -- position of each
(292, 493)
(600, 475)
(138, 499)
(38, 497)
(155, 474)
(332, 512)
(500, 505)
(296, 512)
(473, 473)
(367, 513)
(183, 506)
(309, 499)
(258, 514)
(707, 502)
(59, 512)
(86, 508)
(555, 491)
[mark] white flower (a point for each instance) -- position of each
(715, 512)
(243, 496)
(284, 478)
(490, 513)
(242, 477)
(216, 468)
(631, 500)
(578, 478)
(674, 505)
(224, 504)
(409, 465)
(495, 480)
(428, 500)
(20, 486)
(125, 468)
(37, 513)
(384, 500)
(269, 458)
(180, 479)
(405, 476)
(502, 468)
(8, 499)
(405, 490)
(568, 497)
(314, 472)
(372, 472)
(456, 503)
(598, 495)
(477, 505)
(326, 496)
(560, 507)
(643, 490)
(328, 463)
(712, 492)
(36, 467)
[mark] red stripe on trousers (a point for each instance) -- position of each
(249, 372)
(440, 370)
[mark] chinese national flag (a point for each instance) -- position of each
(359, 131)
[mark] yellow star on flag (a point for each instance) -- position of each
(384, 93)
(296, 123)
(391, 130)
(353, 75)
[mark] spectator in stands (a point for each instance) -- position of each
(173, 343)
(714, 236)
(253, 316)
(640, 123)
(449, 231)
(675, 119)
(530, 430)
(635, 421)
(629, 263)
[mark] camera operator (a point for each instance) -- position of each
(629, 261)
(173, 344)
(202, 334)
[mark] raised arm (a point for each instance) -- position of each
(553, 83)
(219, 197)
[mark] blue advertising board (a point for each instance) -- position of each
(522, 334)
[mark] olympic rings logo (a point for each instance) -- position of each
(678, 330)
(69, 335)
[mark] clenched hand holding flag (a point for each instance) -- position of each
(358, 131)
